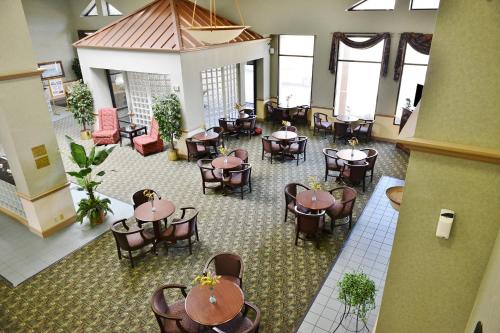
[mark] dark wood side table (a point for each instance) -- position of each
(131, 133)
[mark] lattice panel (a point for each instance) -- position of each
(143, 89)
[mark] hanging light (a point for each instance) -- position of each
(213, 33)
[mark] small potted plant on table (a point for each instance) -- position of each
(167, 112)
(81, 105)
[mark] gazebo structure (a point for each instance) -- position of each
(157, 56)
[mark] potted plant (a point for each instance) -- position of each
(357, 293)
(167, 112)
(81, 104)
(91, 207)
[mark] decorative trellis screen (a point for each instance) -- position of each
(220, 92)
(143, 88)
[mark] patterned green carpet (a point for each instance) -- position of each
(92, 291)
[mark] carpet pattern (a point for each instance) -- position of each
(92, 291)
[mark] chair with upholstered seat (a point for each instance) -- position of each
(321, 123)
(371, 159)
(289, 128)
(183, 228)
(242, 323)
(196, 149)
(151, 143)
(209, 174)
(332, 163)
(228, 265)
(309, 224)
(364, 130)
(172, 318)
(230, 127)
(298, 147)
(108, 132)
(131, 240)
(354, 174)
(291, 191)
(239, 179)
(343, 207)
(271, 147)
(247, 125)
(301, 115)
(272, 112)
(240, 153)
(341, 131)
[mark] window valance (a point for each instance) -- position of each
(343, 37)
(420, 42)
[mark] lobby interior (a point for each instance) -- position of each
(294, 63)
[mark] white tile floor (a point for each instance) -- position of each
(24, 254)
(367, 250)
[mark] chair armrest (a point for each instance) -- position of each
(184, 209)
(218, 330)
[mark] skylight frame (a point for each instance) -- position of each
(89, 8)
(411, 6)
(353, 8)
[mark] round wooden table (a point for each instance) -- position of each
(229, 302)
(284, 135)
(350, 155)
(232, 162)
(206, 136)
(323, 200)
(347, 118)
(163, 209)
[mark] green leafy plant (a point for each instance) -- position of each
(75, 66)
(81, 104)
(91, 207)
(357, 293)
(167, 112)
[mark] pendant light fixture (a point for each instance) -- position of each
(213, 33)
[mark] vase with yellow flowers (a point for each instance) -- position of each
(210, 280)
(315, 186)
(224, 152)
(286, 124)
(353, 142)
(151, 198)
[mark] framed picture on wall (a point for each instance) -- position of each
(56, 88)
(53, 69)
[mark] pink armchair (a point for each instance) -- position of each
(149, 143)
(108, 132)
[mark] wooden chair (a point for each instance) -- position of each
(230, 127)
(228, 265)
(354, 174)
(247, 126)
(309, 224)
(271, 112)
(291, 191)
(196, 149)
(321, 123)
(242, 323)
(332, 163)
(239, 178)
(364, 130)
(371, 159)
(183, 228)
(131, 240)
(342, 208)
(209, 174)
(172, 318)
(249, 111)
(240, 153)
(289, 128)
(219, 142)
(298, 147)
(300, 117)
(271, 147)
(341, 131)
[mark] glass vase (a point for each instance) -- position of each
(225, 159)
(212, 298)
(314, 198)
(153, 208)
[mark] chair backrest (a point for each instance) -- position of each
(160, 306)
(247, 123)
(267, 144)
(154, 130)
(120, 234)
(303, 110)
(223, 123)
(216, 129)
(246, 173)
(289, 128)
(348, 200)
(331, 157)
(254, 328)
(371, 157)
(269, 107)
(302, 142)
(248, 111)
(192, 145)
(317, 118)
(108, 119)
(240, 153)
(308, 223)
(357, 171)
(227, 263)
(205, 164)
(291, 191)
(341, 129)
(138, 198)
(190, 217)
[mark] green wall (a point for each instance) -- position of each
(432, 283)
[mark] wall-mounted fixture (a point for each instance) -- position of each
(444, 224)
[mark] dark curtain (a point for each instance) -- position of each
(342, 37)
(420, 42)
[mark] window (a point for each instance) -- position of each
(90, 10)
(414, 71)
(424, 4)
(295, 69)
(220, 92)
(373, 5)
(357, 79)
(110, 10)
(250, 84)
